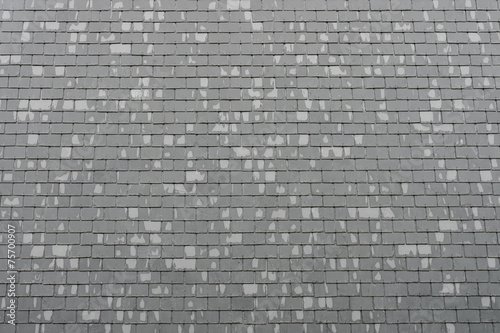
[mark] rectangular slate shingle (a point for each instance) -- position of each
(251, 166)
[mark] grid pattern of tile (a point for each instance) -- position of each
(251, 165)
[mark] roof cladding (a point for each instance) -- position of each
(250, 165)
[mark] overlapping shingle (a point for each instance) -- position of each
(251, 166)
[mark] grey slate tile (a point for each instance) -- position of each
(279, 166)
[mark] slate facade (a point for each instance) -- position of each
(251, 165)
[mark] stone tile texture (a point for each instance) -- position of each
(251, 165)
